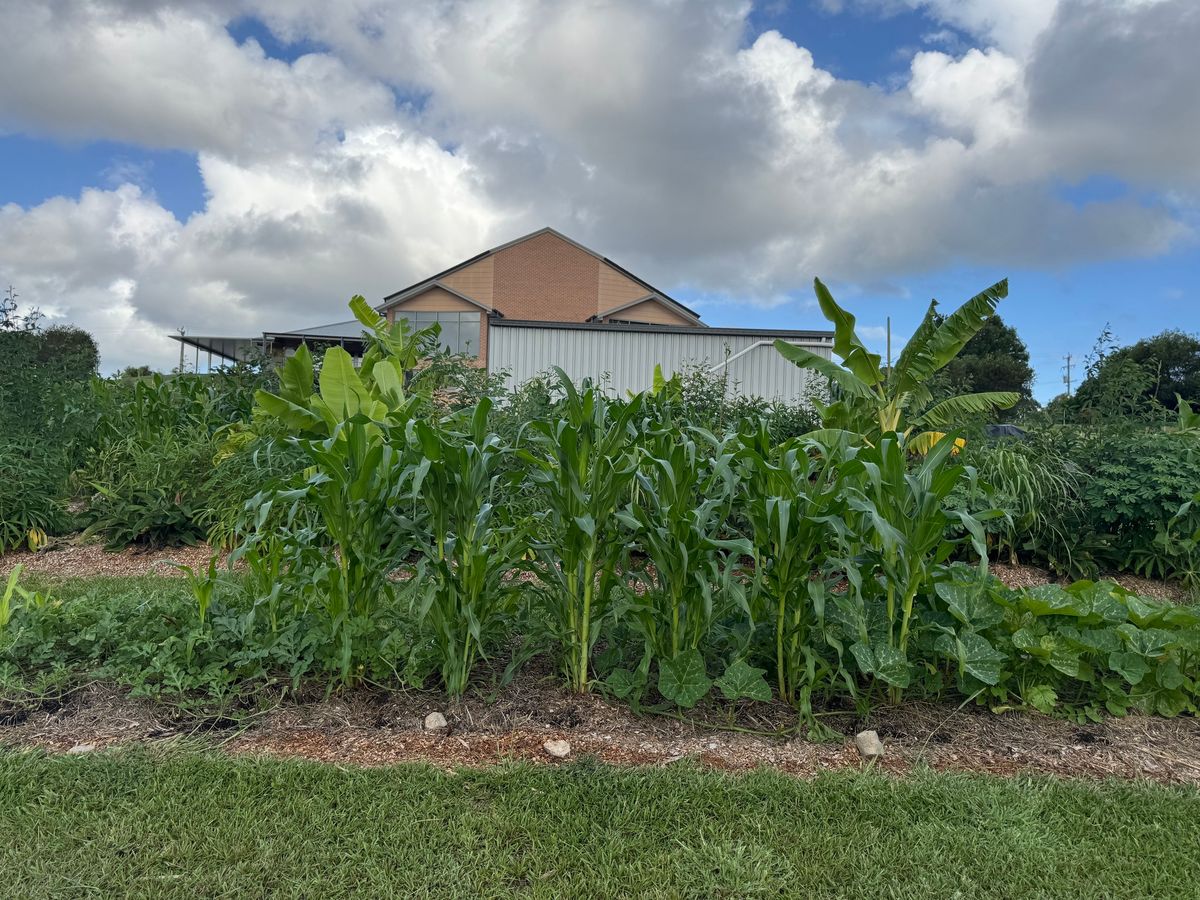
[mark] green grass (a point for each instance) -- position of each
(188, 825)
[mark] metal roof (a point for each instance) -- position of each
(765, 333)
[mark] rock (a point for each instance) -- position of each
(868, 744)
(435, 721)
(557, 749)
(80, 749)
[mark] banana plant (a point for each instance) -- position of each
(878, 399)
(375, 389)
(461, 589)
(582, 463)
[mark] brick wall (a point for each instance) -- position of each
(548, 279)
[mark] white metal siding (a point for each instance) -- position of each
(626, 359)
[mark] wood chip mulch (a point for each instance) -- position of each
(1023, 576)
(73, 558)
(375, 727)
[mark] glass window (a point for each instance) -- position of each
(460, 330)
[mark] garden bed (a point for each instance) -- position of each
(372, 727)
(73, 558)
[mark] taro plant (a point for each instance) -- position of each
(582, 462)
(468, 540)
(878, 399)
(793, 501)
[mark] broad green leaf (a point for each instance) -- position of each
(1050, 599)
(366, 314)
(971, 604)
(945, 342)
(806, 359)
(954, 410)
(624, 683)
(683, 679)
(979, 658)
(743, 680)
(1042, 697)
(1131, 666)
(341, 388)
(846, 343)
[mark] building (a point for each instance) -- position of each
(544, 300)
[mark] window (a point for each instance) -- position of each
(460, 330)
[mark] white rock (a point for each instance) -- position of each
(868, 744)
(435, 721)
(80, 749)
(557, 749)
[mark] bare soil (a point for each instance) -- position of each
(373, 727)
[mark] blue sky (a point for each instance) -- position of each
(240, 170)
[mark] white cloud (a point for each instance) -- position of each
(661, 133)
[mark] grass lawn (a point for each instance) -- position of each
(203, 825)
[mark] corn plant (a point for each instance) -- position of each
(877, 399)
(468, 541)
(583, 464)
(902, 522)
(687, 484)
(793, 502)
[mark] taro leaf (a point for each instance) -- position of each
(1100, 602)
(1146, 641)
(744, 680)
(1171, 703)
(1169, 675)
(1041, 697)
(1051, 600)
(891, 665)
(683, 679)
(970, 603)
(979, 658)
(1131, 666)
(623, 683)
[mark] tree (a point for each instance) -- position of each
(1132, 381)
(995, 359)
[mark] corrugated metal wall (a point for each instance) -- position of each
(628, 358)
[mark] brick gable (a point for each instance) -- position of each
(546, 278)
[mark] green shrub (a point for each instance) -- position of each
(148, 490)
(33, 488)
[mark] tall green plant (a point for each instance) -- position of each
(902, 524)
(878, 399)
(583, 464)
(687, 485)
(469, 542)
(793, 500)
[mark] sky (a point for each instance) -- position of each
(234, 166)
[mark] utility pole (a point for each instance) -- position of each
(1067, 376)
(889, 346)
(181, 335)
